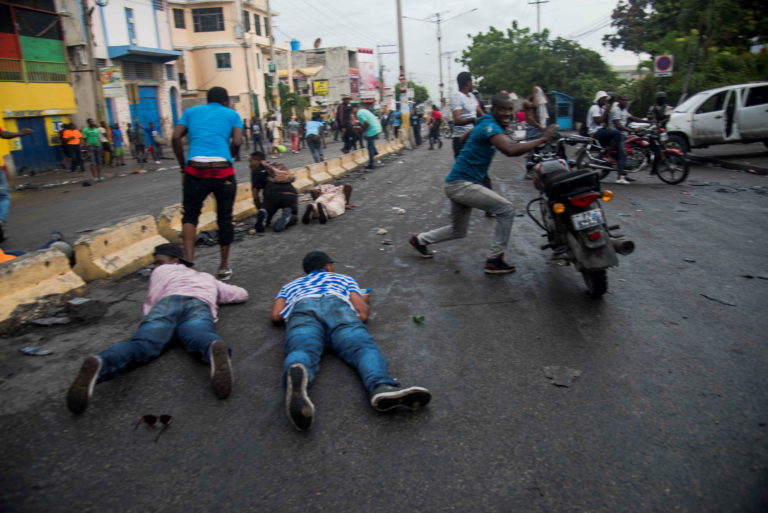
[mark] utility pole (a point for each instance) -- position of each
(98, 90)
(273, 67)
(381, 69)
(538, 3)
(405, 119)
(449, 56)
(240, 34)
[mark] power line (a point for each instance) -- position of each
(538, 3)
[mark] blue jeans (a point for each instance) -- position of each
(316, 148)
(605, 136)
(372, 149)
(328, 321)
(187, 318)
(5, 198)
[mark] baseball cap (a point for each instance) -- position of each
(173, 251)
(315, 260)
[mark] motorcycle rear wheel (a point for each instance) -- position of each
(596, 282)
(637, 161)
(672, 169)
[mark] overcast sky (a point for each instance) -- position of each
(368, 23)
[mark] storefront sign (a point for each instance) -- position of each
(111, 78)
(319, 88)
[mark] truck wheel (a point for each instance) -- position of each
(678, 142)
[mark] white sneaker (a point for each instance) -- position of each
(623, 181)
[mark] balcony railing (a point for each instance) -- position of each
(17, 70)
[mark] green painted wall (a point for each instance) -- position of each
(40, 49)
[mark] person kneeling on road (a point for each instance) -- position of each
(279, 193)
(328, 201)
(181, 303)
(327, 310)
(464, 184)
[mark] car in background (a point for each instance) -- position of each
(730, 114)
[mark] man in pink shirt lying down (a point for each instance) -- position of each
(181, 303)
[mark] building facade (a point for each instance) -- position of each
(34, 84)
(225, 43)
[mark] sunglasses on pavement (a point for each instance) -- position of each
(151, 420)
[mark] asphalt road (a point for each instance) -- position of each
(668, 415)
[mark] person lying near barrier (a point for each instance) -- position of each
(181, 303)
(322, 310)
(328, 201)
(276, 182)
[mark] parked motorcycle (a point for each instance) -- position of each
(646, 150)
(571, 215)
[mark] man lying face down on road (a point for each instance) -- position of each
(322, 310)
(464, 184)
(181, 303)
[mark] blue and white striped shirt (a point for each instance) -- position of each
(317, 284)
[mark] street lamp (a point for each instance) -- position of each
(438, 19)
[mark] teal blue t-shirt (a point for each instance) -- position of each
(210, 128)
(374, 126)
(475, 158)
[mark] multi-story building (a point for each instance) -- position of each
(34, 84)
(219, 51)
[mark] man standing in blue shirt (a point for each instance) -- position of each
(207, 168)
(314, 136)
(371, 128)
(322, 310)
(464, 184)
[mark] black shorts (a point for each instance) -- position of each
(223, 189)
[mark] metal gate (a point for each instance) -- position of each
(35, 154)
(146, 110)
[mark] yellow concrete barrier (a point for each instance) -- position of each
(318, 173)
(391, 147)
(348, 162)
(169, 222)
(243, 207)
(117, 250)
(303, 181)
(361, 157)
(33, 281)
(335, 167)
(381, 150)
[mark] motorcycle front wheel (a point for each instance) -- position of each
(596, 282)
(672, 169)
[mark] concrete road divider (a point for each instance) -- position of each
(348, 162)
(335, 167)
(381, 150)
(34, 281)
(303, 182)
(169, 222)
(243, 207)
(117, 250)
(361, 157)
(319, 174)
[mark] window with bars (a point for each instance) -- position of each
(101, 63)
(267, 27)
(178, 19)
(159, 5)
(138, 71)
(257, 24)
(170, 72)
(246, 21)
(223, 61)
(209, 19)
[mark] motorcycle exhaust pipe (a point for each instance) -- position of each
(623, 247)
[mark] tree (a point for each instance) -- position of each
(420, 93)
(517, 59)
(291, 103)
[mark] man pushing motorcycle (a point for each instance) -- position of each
(464, 184)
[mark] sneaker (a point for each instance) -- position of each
(299, 408)
(81, 389)
(307, 217)
(224, 274)
(387, 397)
(283, 220)
(421, 248)
(261, 216)
(221, 370)
(629, 178)
(498, 266)
(322, 213)
(622, 180)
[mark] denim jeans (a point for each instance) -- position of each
(184, 317)
(316, 148)
(605, 136)
(464, 197)
(328, 322)
(5, 197)
(372, 149)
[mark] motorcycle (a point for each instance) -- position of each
(647, 148)
(572, 217)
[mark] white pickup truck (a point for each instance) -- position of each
(730, 114)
